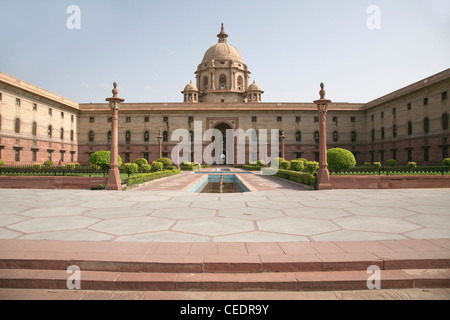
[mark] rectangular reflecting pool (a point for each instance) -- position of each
(211, 184)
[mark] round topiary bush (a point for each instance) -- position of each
(141, 162)
(305, 162)
(340, 159)
(297, 165)
(165, 161)
(102, 159)
(285, 165)
(377, 165)
(312, 167)
(146, 168)
(446, 162)
(260, 163)
(48, 163)
(392, 162)
(131, 168)
(157, 166)
(412, 165)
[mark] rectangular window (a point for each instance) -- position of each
(317, 156)
(409, 106)
(254, 119)
(298, 119)
(147, 119)
(373, 117)
(71, 118)
(191, 119)
(409, 155)
(382, 155)
(298, 155)
(109, 119)
(1, 97)
(17, 155)
(165, 155)
(62, 156)
(353, 119)
(34, 106)
(316, 119)
(127, 157)
(128, 119)
(279, 119)
(372, 155)
(62, 115)
(50, 153)
(72, 156)
(394, 154)
(444, 95)
(91, 119)
(425, 101)
(335, 119)
(17, 102)
(166, 119)
(34, 156)
(444, 152)
(426, 154)
(382, 115)
(394, 112)
(50, 111)
(146, 156)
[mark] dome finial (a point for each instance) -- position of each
(222, 35)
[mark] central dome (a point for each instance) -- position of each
(222, 51)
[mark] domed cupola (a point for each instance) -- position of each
(190, 93)
(254, 93)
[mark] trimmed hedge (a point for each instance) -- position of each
(299, 177)
(446, 162)
(312, 167)
(165, 161)
(142, 178)
(297, 165)
(157, 166)
(131, 168)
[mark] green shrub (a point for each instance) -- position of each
(131, 168)
(260, 163)
(102, 159)
(446, 162)
(412, 165)
(300, 177)
(48, 163)
(71, 166)
(285, 165)
(171, 168)
(392, 162)
(276, 162)
(377, 165)
(312, 167)
(146, 168)
(297, 165)
(157, 166)
(37, 166)
(340, 159)
(367, 164)
(142, 178)
(2, 162)
(206, 166)
(140, 162)
(165, 161)
(305, 161)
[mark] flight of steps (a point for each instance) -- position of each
(122, 275)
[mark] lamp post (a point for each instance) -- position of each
(113, 182)
(160, 137)
(323, 177)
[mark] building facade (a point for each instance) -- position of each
(410, 124)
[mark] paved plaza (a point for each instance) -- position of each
(276, 211)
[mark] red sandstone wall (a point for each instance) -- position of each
(51, 182)
(389, 182)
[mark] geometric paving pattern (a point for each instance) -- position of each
(278, 212)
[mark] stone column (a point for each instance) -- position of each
(323, 178)
(113, 182)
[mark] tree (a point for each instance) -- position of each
(102, 159)
(340, 159)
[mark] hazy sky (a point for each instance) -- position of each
(152, 48)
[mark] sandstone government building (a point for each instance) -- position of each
(410, 124)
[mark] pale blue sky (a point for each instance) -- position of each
(152, 48)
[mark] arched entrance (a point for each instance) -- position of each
(223, 127)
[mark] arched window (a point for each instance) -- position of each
(409, 128)
(165, 136)
(240, 83)
(146, 136)
(426, 125)
(34, 129)
(316, 137)
(49, 131)
(205, 82)
(17, 126)
(353, 136)
(298, 136)
(445, 121)
(222, 82)
(91, 136)
(61, 134)
(335, 136)
(128, 137)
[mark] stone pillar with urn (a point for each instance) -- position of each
(160, 138)
(282, 138)
(323, 177)
(113, 182)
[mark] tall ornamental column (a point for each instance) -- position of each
(282, 137)
(323, 178)
(113, 182)
(160, 138)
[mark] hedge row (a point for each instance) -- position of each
(146, 177)
(299, 177)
